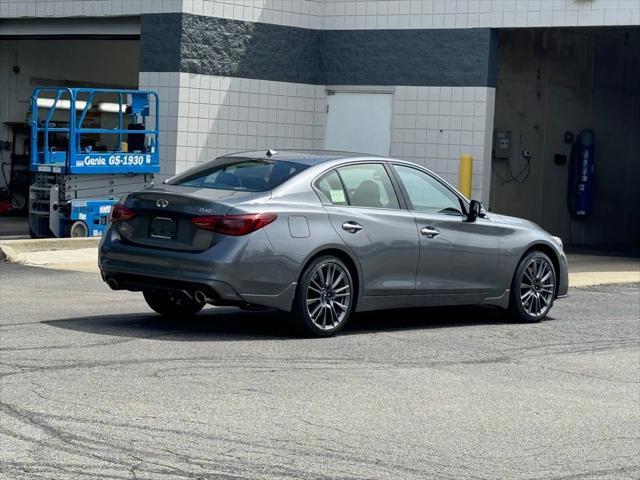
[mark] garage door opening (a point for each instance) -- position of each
(552, 85)
(57, 53)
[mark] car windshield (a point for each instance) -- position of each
(240, 174)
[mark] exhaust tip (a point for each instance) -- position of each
(200, 296)
(113, 284)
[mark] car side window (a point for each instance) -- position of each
(368, 185)
(427, 194)
(331, 188)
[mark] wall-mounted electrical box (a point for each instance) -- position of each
(502, 144)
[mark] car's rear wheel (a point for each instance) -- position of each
(533, 289)
(168, 304)
(324, 297)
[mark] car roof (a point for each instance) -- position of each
(306, 157)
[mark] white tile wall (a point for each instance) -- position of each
(357, 14)
(75, 8)
(296, 13)
(218, 115)
(392, 14)
(433, 126)
(167, 87)
(204, 117)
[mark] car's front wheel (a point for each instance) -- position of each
(324, 297)
(169, 305)
(533, 289)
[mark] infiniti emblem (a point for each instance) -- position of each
(162, 203)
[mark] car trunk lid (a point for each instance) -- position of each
(163, 215)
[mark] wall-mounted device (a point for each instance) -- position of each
(569, 137)
(581, 175)
(559, 159)
(502, 144)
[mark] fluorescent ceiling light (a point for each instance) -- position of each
(62, 104)
(112, 107)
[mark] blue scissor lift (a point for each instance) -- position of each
(84, 156)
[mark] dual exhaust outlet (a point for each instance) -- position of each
(198, 296)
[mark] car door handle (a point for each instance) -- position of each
(430, 232)
(352, 227)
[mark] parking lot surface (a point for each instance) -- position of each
(95, 386)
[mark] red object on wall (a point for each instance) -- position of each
(5, 206)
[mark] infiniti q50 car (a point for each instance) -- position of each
(321, 235)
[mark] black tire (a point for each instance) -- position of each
(167, 305)
(331, 298)
(78, 229)
(528, 289)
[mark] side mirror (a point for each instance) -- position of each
(475, 211)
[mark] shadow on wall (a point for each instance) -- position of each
(565, 80)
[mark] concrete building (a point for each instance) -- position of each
(424, 80)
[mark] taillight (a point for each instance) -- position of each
(235, 225)
(206, 223)
(119, 213)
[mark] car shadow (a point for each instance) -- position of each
(220, 323)
(224, 323)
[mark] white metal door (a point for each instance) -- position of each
(359, 122)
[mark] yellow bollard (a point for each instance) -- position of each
(465, 175)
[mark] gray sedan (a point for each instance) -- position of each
(322, 235)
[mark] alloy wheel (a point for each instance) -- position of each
(537, 288)
(328, 296)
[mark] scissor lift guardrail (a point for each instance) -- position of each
(76, 185)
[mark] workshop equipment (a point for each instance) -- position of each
(84, 160)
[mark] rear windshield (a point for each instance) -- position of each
(240, 174)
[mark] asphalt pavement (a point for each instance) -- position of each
(94, 386)
(13, 227)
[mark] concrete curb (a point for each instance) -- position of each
(40, 244)
(8, 254)
(594, 279)
(13, 251)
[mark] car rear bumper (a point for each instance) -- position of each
(232, 274)
(122, 277)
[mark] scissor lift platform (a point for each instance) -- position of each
(77, 175)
